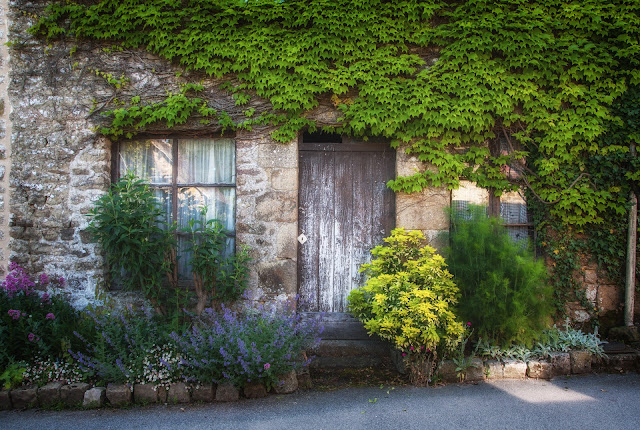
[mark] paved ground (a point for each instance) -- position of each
(585, 402)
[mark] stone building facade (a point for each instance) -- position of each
(54, 163)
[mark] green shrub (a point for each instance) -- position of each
(128, 223)
(503, 287)
(408, 300)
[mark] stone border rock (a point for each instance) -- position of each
(558, 364)
(123, 395)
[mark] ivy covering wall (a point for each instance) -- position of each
(555, 81)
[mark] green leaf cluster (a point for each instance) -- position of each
(442, 78)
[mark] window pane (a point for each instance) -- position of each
(220, 203)
(206, 161)
(184, 256)
(150, 160)
(163, 195)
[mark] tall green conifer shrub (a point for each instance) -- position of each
(503, 287)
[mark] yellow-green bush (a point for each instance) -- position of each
(408, 300)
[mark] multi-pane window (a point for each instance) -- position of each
(186, 175)
(513, 209)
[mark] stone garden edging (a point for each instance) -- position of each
(56, 394)
(558, 364)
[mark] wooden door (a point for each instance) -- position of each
(345, 209)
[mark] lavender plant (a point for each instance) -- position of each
(256, 345)
(123, 341)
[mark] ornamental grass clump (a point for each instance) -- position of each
(503, 287)
(251, 346)
(408, 300)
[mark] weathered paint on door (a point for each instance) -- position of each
(345, 209)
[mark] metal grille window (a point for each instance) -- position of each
(514, 215)
(186, 175)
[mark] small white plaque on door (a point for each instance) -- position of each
(302, 239)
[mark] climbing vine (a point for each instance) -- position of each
(441, 77)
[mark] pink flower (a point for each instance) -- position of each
(266, 366)
(404, 354)
(14, 313)
(469, 324)
(412, 348)
(428, 350)
(50, 316)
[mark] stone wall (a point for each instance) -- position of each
(60, 165)
(5, 138)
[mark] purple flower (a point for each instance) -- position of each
(404, 354)
(267, 366)
(46, 298)
(33, 338)
(44, 279)
(14, 313)
(50, 316)
(469, 324)
(412, 348)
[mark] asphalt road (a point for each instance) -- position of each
(584, 402)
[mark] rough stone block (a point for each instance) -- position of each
(24, 397)
(580, 362)
(227, 393)
(560, 363)
(254, 390)
(287, 240)
(5, 400)
(203, 393)
(475, 372)
(625, 362)
(118, 395)
(73, 394)
(279, 276)
(145, 393)
(515, 369)
(279, 206)
(178, 393)
(277, 155)
(539, 369)
(424, 210)
(287, 383)
(494, 369)
(49, 394)
(162, 394)
(304, 381)
(447, 371)
(284, 179)
(94, 397)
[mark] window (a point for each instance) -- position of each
(513, 209)
(186, 175)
